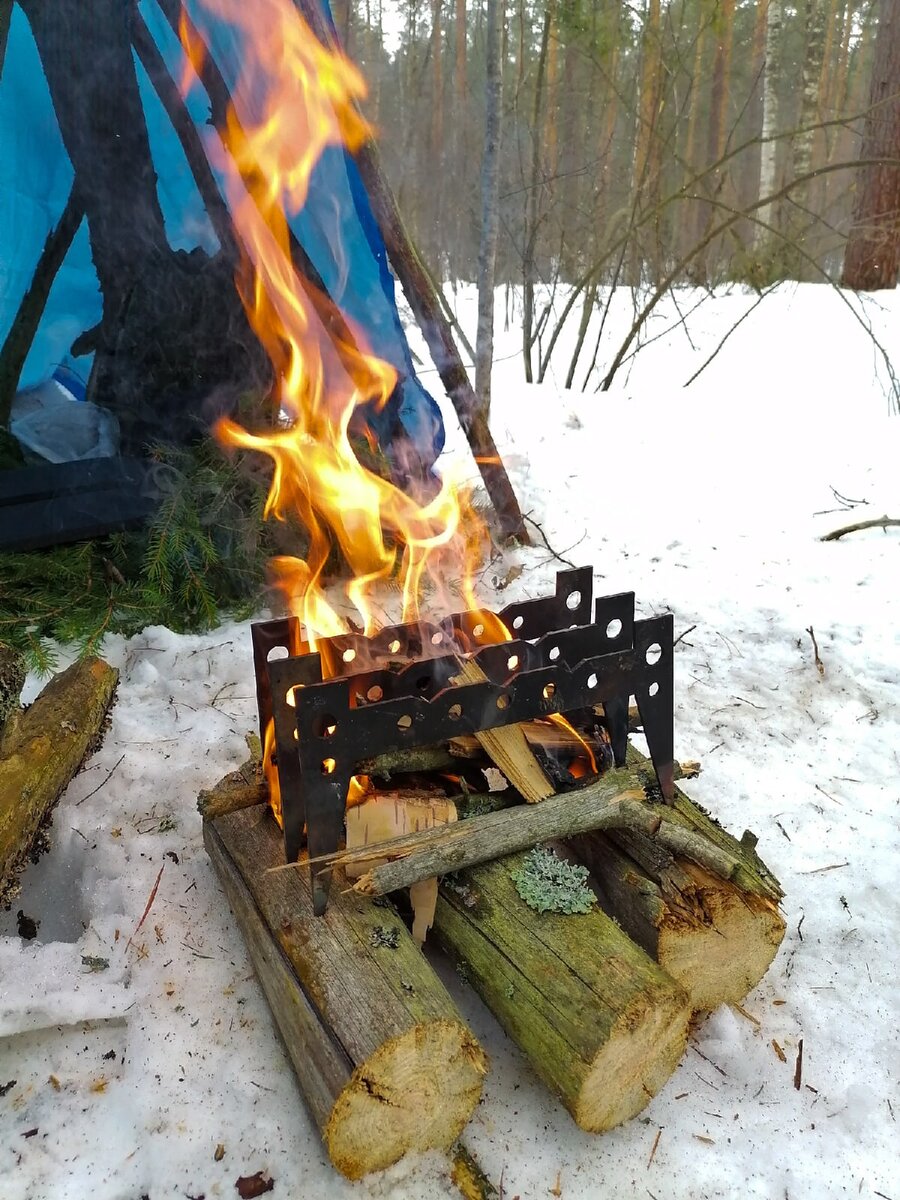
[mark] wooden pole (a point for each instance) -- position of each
(384, 1061)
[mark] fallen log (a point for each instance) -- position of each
(12, 679)
(601, 1024)
(715, 936)
(40, 752)
(383, 1059)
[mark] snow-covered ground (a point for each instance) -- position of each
(707, 501)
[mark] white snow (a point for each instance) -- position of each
(707, 501)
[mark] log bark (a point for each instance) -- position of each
(383, 1059)
(12, 680)
(42, 750)
(602, 1024)
(243, 788)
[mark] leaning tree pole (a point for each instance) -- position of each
(872, 258)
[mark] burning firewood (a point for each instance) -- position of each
(508, 747)
(602, 1024)
(383, 1059)
(40, 751)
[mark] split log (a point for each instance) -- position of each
(382, 816)
(716, 937)
(508, 747)
(42, 750)
(383, 1059)
(602, 1024)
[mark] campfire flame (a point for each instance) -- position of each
(293, 98)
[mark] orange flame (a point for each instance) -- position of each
(293, 98)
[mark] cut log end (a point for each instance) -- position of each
(644, 1048)
(415, 1093)
(722, 956)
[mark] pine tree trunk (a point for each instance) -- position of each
(529, 273)
(720, 96)
(490, 208)
(806, 139)
(872, 258)
(647, 163)
(768, 162)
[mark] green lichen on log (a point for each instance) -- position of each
(547, 883)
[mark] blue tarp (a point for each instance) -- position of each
(36, 178)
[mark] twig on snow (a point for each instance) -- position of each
(149, 905)
(874, 523)
(559, 557)
(99, 785)
(820, 666)
(682, 636)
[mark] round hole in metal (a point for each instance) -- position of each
(573, 600)
(328, 766)
(454, 712)
(503, 700)
(423, 682)
(592, 680)
(375, 693)
(348, 655)
(478, 631)
(394, 647)
(549, 691)
(614, 628)
(554, 653)
(518, 622)
(654, 654)
(437, 638)
(290, 696)
(277, 652)
(325, 725)
(404, 723)
(512, 663)
(653, 689)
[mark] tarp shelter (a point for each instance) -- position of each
(55, 53)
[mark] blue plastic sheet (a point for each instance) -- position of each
(336, 227)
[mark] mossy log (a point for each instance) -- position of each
(715, 936)
(41, 750)
(12, 680)
(600, 1022)
(383, 1059)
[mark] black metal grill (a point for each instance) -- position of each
(394, 690)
